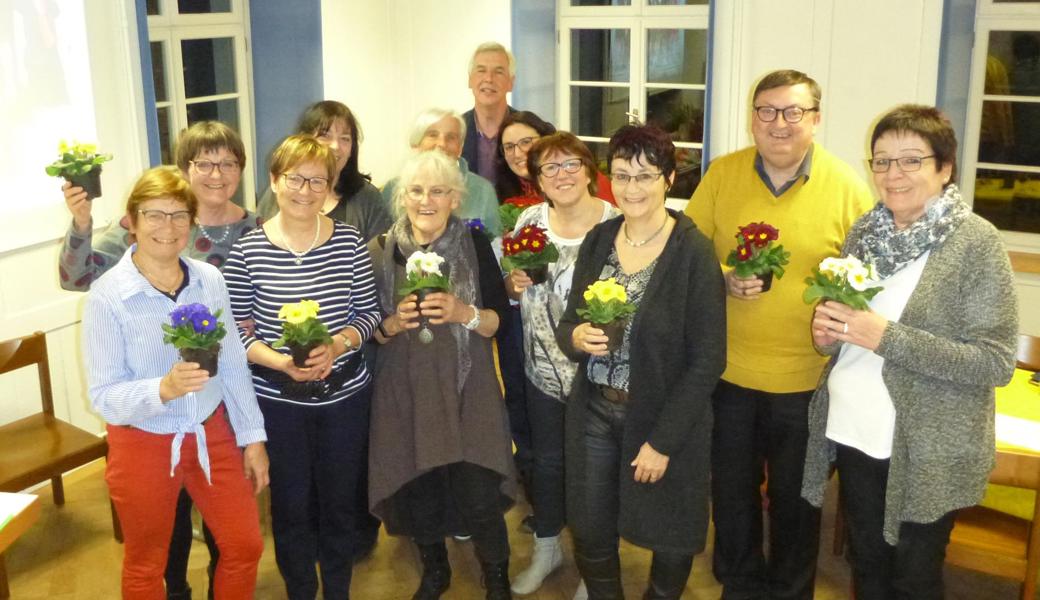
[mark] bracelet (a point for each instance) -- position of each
(382, 331)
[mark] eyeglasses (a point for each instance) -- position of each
(418, 192)
(907, 164)
(524, 144)
(295, 182)
(792, 114)
(157, 218)
(642, 180)
(206, 166)
(553, 169)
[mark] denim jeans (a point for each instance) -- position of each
(546, 415)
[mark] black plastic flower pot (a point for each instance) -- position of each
(615, 332)
(206, 357)
(300, 353)
(538, 274)
(767, 280)
(89, 181)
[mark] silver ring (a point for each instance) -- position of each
(845, 329)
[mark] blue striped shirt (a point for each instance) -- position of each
(125, 358)
(262, 277)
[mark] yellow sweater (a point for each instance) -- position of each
(769, 341)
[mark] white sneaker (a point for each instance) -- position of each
(581, 593)
(547, 557)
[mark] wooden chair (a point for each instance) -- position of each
(41, 447)
(1028, 355)
(997, 543)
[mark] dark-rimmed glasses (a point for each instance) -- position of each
(524, 144)
(206, 166)
(792, 114)
(551, 170)
(295, 182)
(907, 164)
(642, 180)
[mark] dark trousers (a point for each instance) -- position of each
(317, 455)
(473, 492)
(596, 538)
(510, 338)
(759, 434)
(910, 570)
(546, 415)
(176, 575)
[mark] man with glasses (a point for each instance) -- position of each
(492, 71)
(761, 402)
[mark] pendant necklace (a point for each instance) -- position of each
(641, 243)
(156, 283)
(299, 255)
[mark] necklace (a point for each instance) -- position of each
(223, 238)
(299, 255)
(641, 243)
(156, 283)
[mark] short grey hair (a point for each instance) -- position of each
(493, 47)
(427, 118)
(434, 164)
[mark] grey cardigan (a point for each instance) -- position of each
(953, 344)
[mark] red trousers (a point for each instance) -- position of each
(145, 496)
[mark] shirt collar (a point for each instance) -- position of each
(132, 282)
(803, 171)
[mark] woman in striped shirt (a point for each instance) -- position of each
(317, 416)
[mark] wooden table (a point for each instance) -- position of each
(1018, 444)
(17, 514)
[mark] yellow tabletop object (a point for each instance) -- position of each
(1018, 429)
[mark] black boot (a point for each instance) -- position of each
(436, 576)
(496, 580)
(668, 575)
(602, 576)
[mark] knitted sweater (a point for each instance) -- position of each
(954, 343)
(770, 348)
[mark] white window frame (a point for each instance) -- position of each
(638, 19)
(992, 17)
(172, 28)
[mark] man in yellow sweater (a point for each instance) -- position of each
(761, 402)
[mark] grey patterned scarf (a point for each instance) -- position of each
(455, 245)
(891, 249)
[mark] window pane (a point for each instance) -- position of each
(601, 2)
(153, 8)
(225, 111)
(159, 71)
(600, 54)
(597, 111)
(676, 55)
(188, 7)
(1009, 199)
(679, 112)
(678, 2)
(209, 66)
(165, 135)
(687, 172)
(599, 151)
(1010, 133)
(1013, 65)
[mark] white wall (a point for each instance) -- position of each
(390, 59)
(30, 298)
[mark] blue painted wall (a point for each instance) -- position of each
(534, 45)
(958, 36)
(287, 70)
(151, 121)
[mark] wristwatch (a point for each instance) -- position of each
(475, 321)
(347, 344)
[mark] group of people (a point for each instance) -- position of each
(716, 387)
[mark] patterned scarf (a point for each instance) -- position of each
(455, 245)
(877, 240)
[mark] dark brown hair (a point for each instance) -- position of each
(563, 142)
(927, 122)
(785, 78)
(508, 183)
(316, 120)
(631, 141)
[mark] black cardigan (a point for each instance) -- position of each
(678, 353)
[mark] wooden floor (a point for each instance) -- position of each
(70, 555)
